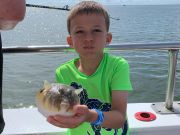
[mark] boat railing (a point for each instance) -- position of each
(167, 107)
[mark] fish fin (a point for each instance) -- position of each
(47, 85)
(77, 91)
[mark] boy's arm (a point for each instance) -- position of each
(11, 12)
(117, 116)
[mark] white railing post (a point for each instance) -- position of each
(171, 79)
(169, 106)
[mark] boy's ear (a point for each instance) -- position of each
(109, 38)
(69, 41)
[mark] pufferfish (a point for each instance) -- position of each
(56, 98)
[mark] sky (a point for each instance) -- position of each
(119, 2)
(143, 2)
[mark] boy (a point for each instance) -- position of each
(105, 78)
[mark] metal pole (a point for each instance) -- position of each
(58, 48)
(171, 79)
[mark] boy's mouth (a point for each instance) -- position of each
(88, 47)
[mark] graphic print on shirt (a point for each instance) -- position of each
(96, 104)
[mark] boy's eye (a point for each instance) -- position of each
(97, 30)
(79, 32)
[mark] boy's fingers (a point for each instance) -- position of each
(80, 109)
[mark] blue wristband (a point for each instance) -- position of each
(100, 118)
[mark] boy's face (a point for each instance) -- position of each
(88, 34)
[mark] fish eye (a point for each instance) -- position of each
(41, 90)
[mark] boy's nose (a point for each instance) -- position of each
(88, 36)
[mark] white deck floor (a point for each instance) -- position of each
(30, 121)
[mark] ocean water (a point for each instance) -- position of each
(24, 73)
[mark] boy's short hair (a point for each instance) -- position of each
(88, 7)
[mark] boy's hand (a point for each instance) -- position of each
(82, 114)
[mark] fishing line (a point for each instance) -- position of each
(66, 7)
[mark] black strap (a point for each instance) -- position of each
(125, 128)
(1, 76)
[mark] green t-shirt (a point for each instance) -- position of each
(111, 74)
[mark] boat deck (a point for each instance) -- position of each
(28, 121)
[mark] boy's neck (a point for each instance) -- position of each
(89, 66)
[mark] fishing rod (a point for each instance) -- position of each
(66, 7)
